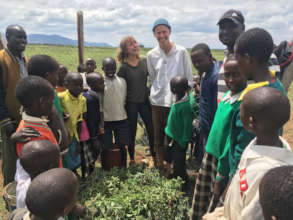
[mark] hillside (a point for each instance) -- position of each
(60, 40)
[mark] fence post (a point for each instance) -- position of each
(80, 36)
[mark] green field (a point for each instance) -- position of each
(68, 55)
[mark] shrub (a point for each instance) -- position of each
(133, 193)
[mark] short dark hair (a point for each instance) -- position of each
(257, 43)
(39, 65)
(179, 84)
(39, 156)
(93, 77)
(276, 193)
(32, 88)
(51, 192)
(202, 46)
(269, 106)
(71, 76)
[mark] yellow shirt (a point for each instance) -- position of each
(75, 107)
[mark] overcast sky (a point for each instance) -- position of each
(192, 21)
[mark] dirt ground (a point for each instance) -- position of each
(141, 156)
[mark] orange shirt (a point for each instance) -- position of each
(42, 128)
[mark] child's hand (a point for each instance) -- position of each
(78, 210)
(218, 188)
(24, 135)
(65, 116)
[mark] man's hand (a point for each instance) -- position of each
(218, 188)
(8, 127)
(24, 135)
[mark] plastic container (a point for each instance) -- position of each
(9, 195)
(113, 158)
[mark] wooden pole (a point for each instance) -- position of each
(80, 36)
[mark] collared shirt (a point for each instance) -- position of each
(162, 68)
(114, 99)
(242, 199)
(75, 107)
(21, 62)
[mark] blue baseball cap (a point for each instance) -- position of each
(161, 21)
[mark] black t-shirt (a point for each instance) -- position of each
(136, 79)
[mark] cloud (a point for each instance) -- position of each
(192, 21)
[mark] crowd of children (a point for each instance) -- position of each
(68, 120)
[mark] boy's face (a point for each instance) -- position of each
(109, 68)
(162, 33)
(200, 61)
(75, 86)
(52, 77)
(229, 31)
(90, 66)
(45, 105)
(98, 85)
(234, 80)
(62, 72)
(244, 63)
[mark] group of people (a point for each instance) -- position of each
(52, 119)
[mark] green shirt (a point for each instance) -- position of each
(179, 125)
(218, 142)
(240, 137)
(58, 104)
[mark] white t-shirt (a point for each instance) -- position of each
(242, 198)
(163, 68)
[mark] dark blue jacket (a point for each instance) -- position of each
(208, 97)
(93, 112)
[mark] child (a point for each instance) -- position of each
(115, 118)
(93, 117)
(263, 112)
(252, 51)
(179, 125)
(90, 66)
(208, 69)
(62, 72)
(47, 67)
(96, 83)
(275, 193)
(218, 144)
(73, 104)
(35, 158)
(36, 96)
(47, 198)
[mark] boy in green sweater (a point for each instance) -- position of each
(179, 125)
(218, 142)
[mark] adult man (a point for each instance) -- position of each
(12, 69)
(231, 25)
(164, 62)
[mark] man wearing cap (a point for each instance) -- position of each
(164, 62)
(231, 25)
(13, 67)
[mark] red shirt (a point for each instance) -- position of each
(42, 128)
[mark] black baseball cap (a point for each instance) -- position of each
(233, 15)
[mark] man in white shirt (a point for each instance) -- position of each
(164, 62)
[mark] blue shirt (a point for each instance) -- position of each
(93, 112)
(208, 97)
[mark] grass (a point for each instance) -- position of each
(68, 55)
